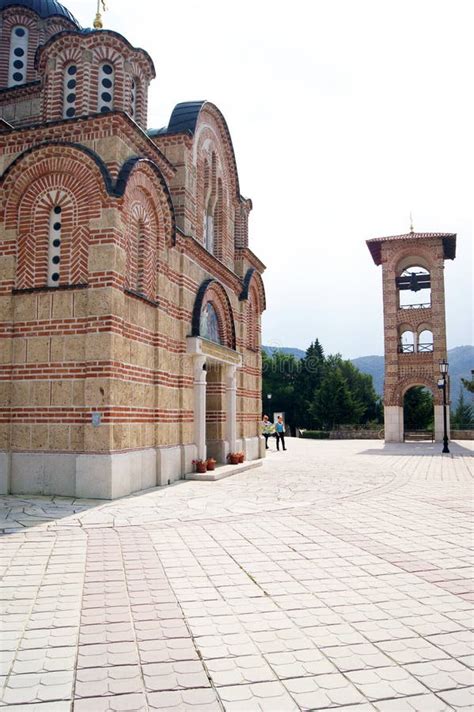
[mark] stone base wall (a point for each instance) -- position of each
(102, 476)
(462, 434)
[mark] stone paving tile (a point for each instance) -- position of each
(121, 703)
(200, 700)
(357, 657)
(174, 676)
(455, 644)
(322, 691)
(420, 703)
(41, 707)
(445, 674)
(43, 660)
(346, 559)
(46, 687)
(381, 683)
(411, 650)
(116, 680)
(239, 670)
(259, 697)
(462, 699)
(107, 655)
(301, 663)
(165, 651)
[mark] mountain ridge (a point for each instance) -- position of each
(460, 359)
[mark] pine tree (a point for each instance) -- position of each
(463, 416)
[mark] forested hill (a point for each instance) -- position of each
(461, 361)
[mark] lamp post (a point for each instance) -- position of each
(443, 367)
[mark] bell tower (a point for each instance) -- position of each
(414, 319)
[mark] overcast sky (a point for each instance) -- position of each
(345, 116)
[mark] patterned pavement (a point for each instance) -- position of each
(336, 577)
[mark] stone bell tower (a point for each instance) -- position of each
(414, 319)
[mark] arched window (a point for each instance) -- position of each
(106, 88)
(133, 98)
(414, 286)
(407, 342)
(209, 225)
(18, 56)
(425, 341)
(69, 91)
(209, 324)
(54, 250)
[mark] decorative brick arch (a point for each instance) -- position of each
(396, 395)
(211, 291)
(149, 226)
(410, 257)
(47, 176)
(253, 280)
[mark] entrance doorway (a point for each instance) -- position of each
(418, 414)
(215, 411)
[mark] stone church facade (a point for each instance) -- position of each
(130, 301)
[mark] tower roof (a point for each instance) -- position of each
(449, 243)
(43, 8)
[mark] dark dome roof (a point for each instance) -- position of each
(43, 8)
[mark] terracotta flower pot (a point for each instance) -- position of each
(234, 459)
(211, 464)
(201, 467)
(241, 457)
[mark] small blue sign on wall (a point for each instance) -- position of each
(96, 419)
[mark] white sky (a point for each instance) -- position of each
(345, 115)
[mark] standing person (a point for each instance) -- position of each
(280, 432)
(268, 429)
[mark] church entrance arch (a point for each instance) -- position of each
(212, 346)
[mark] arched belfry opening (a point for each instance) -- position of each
(414, 325)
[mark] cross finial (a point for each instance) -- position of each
(412, 229)
(98, 24)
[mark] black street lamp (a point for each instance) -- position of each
(443, 367)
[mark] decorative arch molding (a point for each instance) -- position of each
(212, 291)
(254, 278)
(219, 132)
(396, 394)
(113, 189)
(412, 256)
(145, 173)
(43, 180)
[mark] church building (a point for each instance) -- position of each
(130, 300)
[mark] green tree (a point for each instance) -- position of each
(367, 404)
(468, 385)
(463, 416)
(332, 404)
(418, 409)
(279, 374)
(308, 381)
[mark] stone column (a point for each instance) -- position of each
(231, 406)
(393, 424)
(200, 406)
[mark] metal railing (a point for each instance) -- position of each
(424, 305)
(410, 348)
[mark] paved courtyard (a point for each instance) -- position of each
(337, 576)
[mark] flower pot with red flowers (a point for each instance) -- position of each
(233, 458)
(201, 466)
(211, 463)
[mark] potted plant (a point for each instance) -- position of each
(241, 456)
(201, 465)
(233, 458)
(211, 463)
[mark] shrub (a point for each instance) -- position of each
(315, 434)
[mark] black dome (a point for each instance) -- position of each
(43, 8)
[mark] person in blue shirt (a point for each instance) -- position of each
(280, 432)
